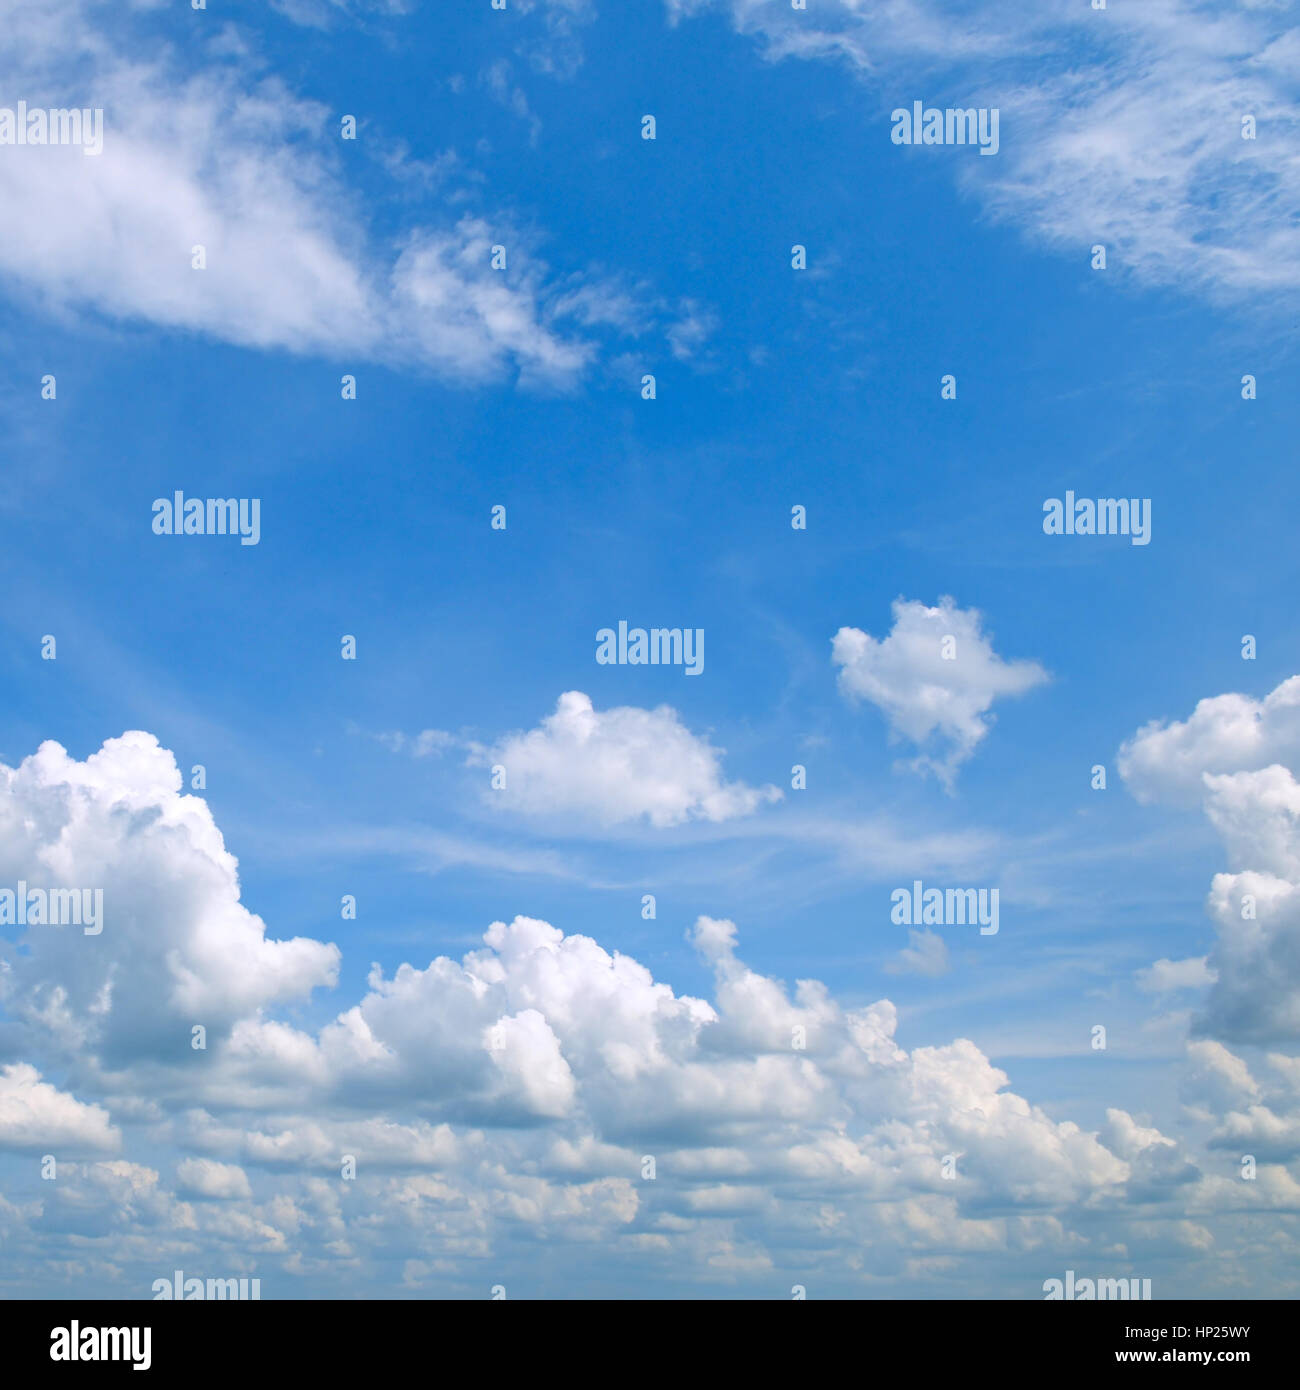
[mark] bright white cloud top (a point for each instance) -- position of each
(609, 767)
(520, 1090)
(934, 677)
(1237, 756)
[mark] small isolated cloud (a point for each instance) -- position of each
(1166, 976)
(926, 954)
(691, 331)
(205, 1177)
(934, 678)
(427, 742)
(617, 765)
(499, 80)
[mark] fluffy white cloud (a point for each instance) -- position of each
(1257, 958)
(1256, 816)
(1229, 756)
(542, 1026)
(1217, 1077)
(177, 947)
(1251, 1116)
(934, 676)
(1168, 761)
(617, 765)
(36, 1116)
(518, 1094)
(204, 1177)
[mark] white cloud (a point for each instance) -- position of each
(1257, 958)
(934, 676)
(321, 14)
(1218, 1076)
(1165, 976)
(926, 954)
(36, 1116)
(1256, 815)
(688, 335)
(1121, 127)
(177, 947)
(204, 1177)
(427, 742)
(541, 1026)
(1167, 761)
(519, 1087)
(235, 162)
(617, 765)
(1250, 1116)
(514, 1095)
(1230, 755)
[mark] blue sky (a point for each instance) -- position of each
(775, 387)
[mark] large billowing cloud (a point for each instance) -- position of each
(607, 767)
(176, 947)
(1260, 1118)
(1236, 756)
(935, 677)
(547, 1027)
(1121, 126)
(1168, 761)
(540, 1088)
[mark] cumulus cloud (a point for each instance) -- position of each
(204, 1177)
(609, 767)
(519, 1094)
(610, 1047)
(519, 1088)
(35, 1116)
(1217, 1076)
(1231, 756)
(178, 948)
(934, 677)
(1257, 958)
(1256, 1116)
(1168, 760)
(761, 1086)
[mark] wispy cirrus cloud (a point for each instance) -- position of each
(1121, 126)
(227, 159)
